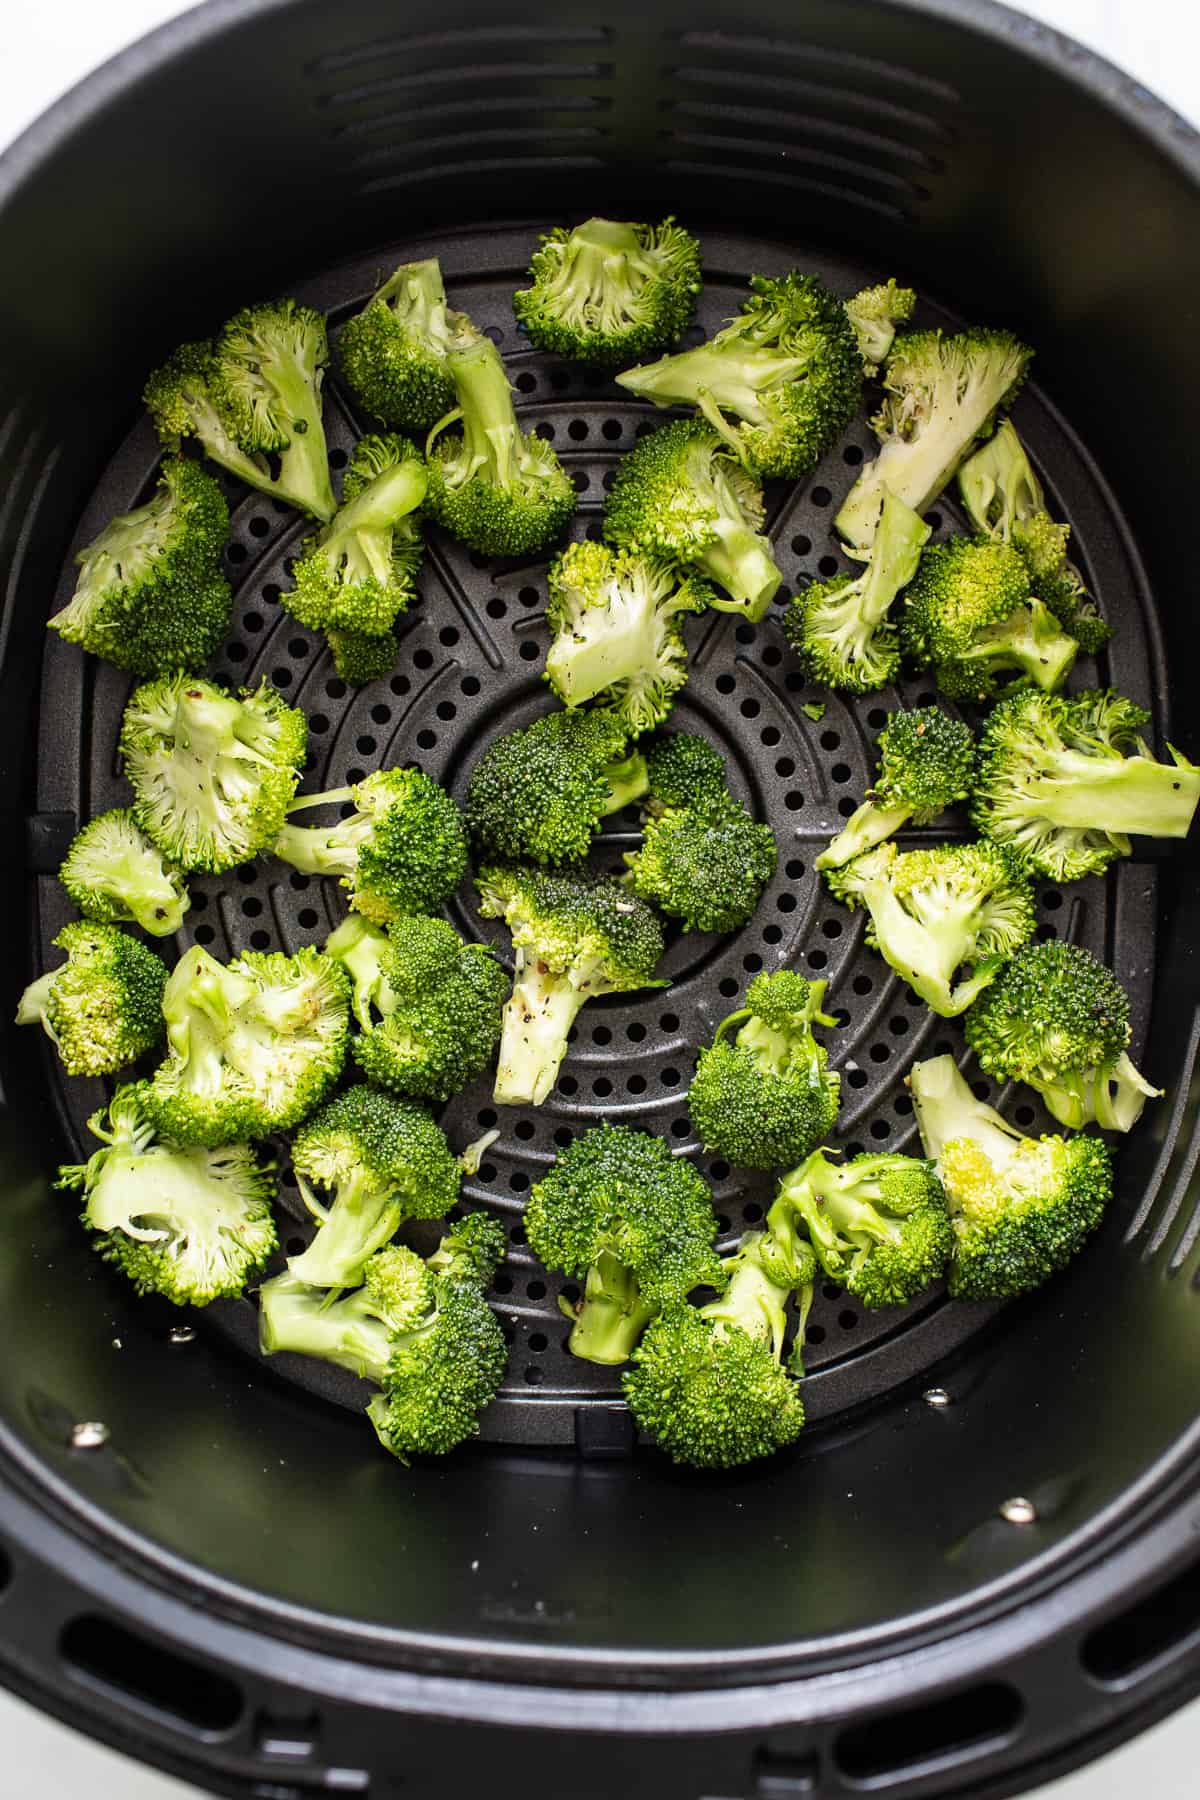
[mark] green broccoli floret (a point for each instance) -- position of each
(384, 1161)
(708, 869)
(681, 493)
(940, 397)
(1059, 1020)
(114, 873)
(879, 1223)
(402, 850)
(193, 1225)
(1021, 1207)
(212, 772)
(874, 315)
(971, 616)
(787, 369)
(934, 912)
(840, 627)
(606, 292)
(926, 764)
(539, 794)
(683, 770)
(103, 1007)
(361, 657)
(764, 1097)
(151, 595)
(575, 937)
(1005, 501)
(357, 573)
(633, 1223)
(252, 1046)
(253, 399)
(616, 617)
(353, 1330)
(499, 489)
(393, 353)
(1063, 781)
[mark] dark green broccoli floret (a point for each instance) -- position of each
(102, 1008)
(360, 656)
(402, 850)
(940, 396)
(151, 595)
(1021, 1207)
(1059, 1020)
(971, 617)
(874, 315)
(684, 771)
(878, 1223)
(630, 1221)
(393, 353)
(113, 872)
(1063, 781)
(606, 292)
(706, 869)
(358, 572)
(840, 627)
(539, 794)
(934, 912)
(193, 1225)
(787, 371)
(765, 1097)
(681, 493)
(575, 937)
(926, 764)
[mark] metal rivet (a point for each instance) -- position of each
(936, 1397)
(89, 1434)
(1018, 1511)
(181, 1334)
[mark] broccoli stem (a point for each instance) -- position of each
(491, 435)
(740, 561)
(592, 280)
(292, 1316)
(628, 780)
(1126, 794)
(753, 1302)
(422, 283)
(324, 849)
(1113, 1097)
(870, 825)
(361, 1221)
(533, 1040)
(1028, 640)
(612, 1315)
(717, 380)
(927, 955)
(947, 1110)
(33, 1004)
(362, 530)
(304, 461)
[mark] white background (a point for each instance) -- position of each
(48, 47)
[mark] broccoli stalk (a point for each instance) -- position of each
(840, 627)
(353, 1330)
(608, 291)
(113, 872)
(878, 1223)
(393, 353)
(357, 573)
(926, 764)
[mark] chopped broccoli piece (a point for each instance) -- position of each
(764, 1097)
(1059, 1020)
(353, 1330)
(940, 397)
(393, 353)
(102, 1008)
(539, 794)
(151, 595)
(874, 315)
(361, 657)
(814, 710)
(926, 764)
(971, 617)
(212, 772)
(879, 1223)
(356, 574)
(1063, 781)
(360, 948)
(707, 869)
(684, 771)
(575, 937)
(635, 1224)
(1021, 1207)
(606, 292)
(113, 873)
(840, 627)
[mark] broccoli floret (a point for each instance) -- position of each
(971, 616)
(1004, 498)
(102, 1008)
(840, 627)
(874, 315)
(499, 489)
(1063, 781)
(539, 794)
(384, 1161)
(253, 399)
(353, 1330)
(616, 618)
(357, 573)
(787, 370)
(1021, 1207)
(879, 1223)
(113, 873)
(926, 764)
(151, 596)
(934, 912)
(681, 493)
(630, 1221)
(193, 1225)
(764, 1096)
(402, 850)
(606, 292)
(252, 1046)
(212, 772)
(683, 770)
(361, 657)
(575, 936)
(393, 353)
(1059, 1020)
(940, 396)
(708, 869)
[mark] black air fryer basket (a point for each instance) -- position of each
(981, 1564)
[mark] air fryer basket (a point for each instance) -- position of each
(230, 1579)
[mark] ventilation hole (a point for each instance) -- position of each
(335, 689)
(898, 1026)
(536, 1291)
(307, 919)
(366, 746)
(679, 1128)
(670, 1077)
(752, 1213)
(353, 777)
(1024, 1115)
(772, 934)
(251, 908)
(252, 621)
(545, 429)
(237, 553)
(723, 1224)
(848, 1320)
(877, 718)
(236, 652)
(879, 1053)
(530, 651)
(204, 934)
(961, 1724)
(857, 1078)
(846, 806)
(852, 455)
(199, 902)
(400, 684)
(538, 1340)
(534, 1376)
(745, 634)
(562, 1137)
(752, 964)
(793, 869)
(502, 1283)
(1052, 900)
(728, 987)
(582, 480)
(260, 940)
(827, 566)
(487, 1172)
(298, 882)
(817, 959)
(926, 699)
(423, 659)
(669, 1022)
(902, 1105)
(568, 1085)
(635, 1032)
(772, 656)
(815, 1334)
(130, 1666)
(720, 1172)
(577, 429)
(750, 709)
(770, 736)
(602, 1087)
(784, 765)
(820, 496)
(517, 1234)
(880, 1129)
(245, 874)
(793, 800)
(934, 521)
(786, 902)
(526, 382)
(294, 1246)
(496, 609)
(840, 771)
(1146, 1631)
(725, 684)
(801, 545)
(636, 1084)
(470, 685)
(1044, 933)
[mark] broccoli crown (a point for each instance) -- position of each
(472, 1249)
(212, 772)
(681, 493)
(606, 292)
(971, 617)
(685, 771)
(934, 911)
(840, 627)
(361, 657)
(441, 1375)
(706, 869)
(878, 1224)
(501, 490)
(1063, 781)
(926, 762)
(252, 1046)
(393, 353)
(103, 1007)
(193, 1225)
(358, 572)
(874, 315)
(540, 793)
(114, 873)
(616, 617)
(151, 596)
